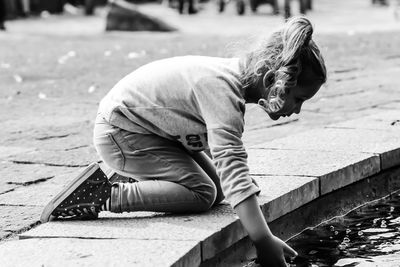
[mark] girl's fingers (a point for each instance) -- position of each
(289, 251)
(282, 262)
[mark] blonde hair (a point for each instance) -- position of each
(284, 54)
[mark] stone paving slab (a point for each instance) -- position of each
(98, 252)
(259, 131)
(136, 225)
(16, 218)
(65, 137)
(41, 193)
(8, 151)
(369, 124)
(395, 105)
(256, 118)
(362, 101)
(16, 175)
(79, 157)
(46, 133)
(42, 125)
(383, 121)
(334, 169)
(385, 143)
(49, 131)
(58, 142)
(34, 195)
(393, 114)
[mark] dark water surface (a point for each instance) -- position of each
(366, 236)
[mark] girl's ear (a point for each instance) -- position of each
(262, 102)
(268, 78)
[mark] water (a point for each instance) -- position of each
(366, 236)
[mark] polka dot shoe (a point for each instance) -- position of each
(82, 198)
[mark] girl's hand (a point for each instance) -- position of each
(271, 252)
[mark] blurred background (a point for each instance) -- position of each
(195, 16)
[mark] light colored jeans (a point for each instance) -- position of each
(170, 179)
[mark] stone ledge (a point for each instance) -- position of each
(99, 252)
(291, 173)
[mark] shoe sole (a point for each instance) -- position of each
(68, 190)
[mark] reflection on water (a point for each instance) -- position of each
(367, 236)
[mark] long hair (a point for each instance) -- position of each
(284, 53)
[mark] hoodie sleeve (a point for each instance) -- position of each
(222, 108)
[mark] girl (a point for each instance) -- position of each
(155, 123)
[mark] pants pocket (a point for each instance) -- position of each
(117, 157)
(109, 150)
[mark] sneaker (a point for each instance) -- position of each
(82, 198)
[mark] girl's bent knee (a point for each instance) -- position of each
(208, 198)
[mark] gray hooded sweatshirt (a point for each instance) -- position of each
(195, 100)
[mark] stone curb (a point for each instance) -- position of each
(291, 172)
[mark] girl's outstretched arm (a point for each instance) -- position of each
(270, 249)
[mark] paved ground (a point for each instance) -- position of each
(55, 70)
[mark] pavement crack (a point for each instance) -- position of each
(53, 136)
(97, 238)
(49, 164)
(73, 237)
(16, 205)
(40, 180)
(7, 191)
(345, 70)
(273, 125)
(396, 122)
(344, 94)
(345, 79)
(274, 148)
(76, 147)
(374, 106)
(392, 57)
(20, 231)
